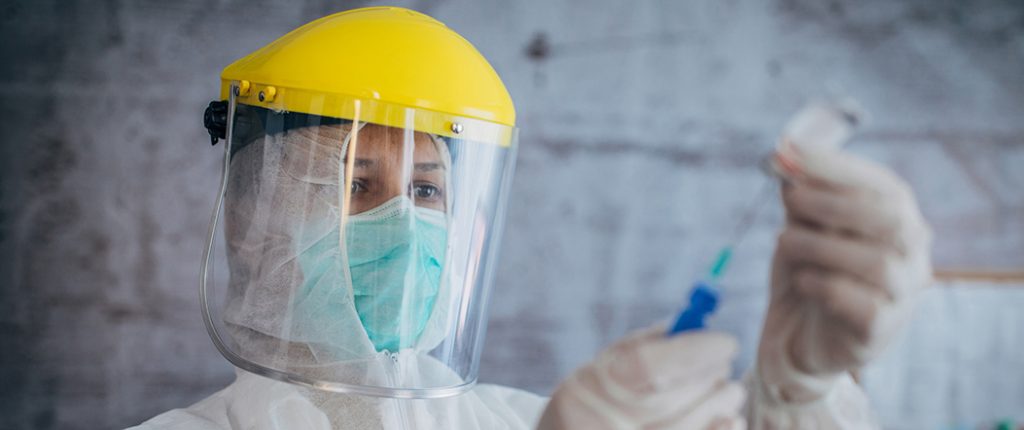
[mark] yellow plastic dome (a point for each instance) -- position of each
(383, 57)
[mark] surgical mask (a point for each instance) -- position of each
(395, 256)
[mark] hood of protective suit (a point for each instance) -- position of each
(291, 281)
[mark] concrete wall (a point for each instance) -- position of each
(642, 125)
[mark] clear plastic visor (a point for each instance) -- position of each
(351, 256)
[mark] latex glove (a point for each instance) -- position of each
(651, 381)
(853, 256)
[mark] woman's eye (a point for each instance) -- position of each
(426, 191)
(357, 187)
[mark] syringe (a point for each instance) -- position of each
(703, 297)
(818, 125)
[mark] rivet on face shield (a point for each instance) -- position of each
(267, 95)
(456, 128)
(242, 89)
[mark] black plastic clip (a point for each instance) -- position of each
(216, 120)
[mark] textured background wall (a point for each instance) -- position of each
(642, 125)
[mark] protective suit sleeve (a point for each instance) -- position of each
(206, 415)
(844, 406)
(520, 409)
(178, 419)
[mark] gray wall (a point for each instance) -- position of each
(642, 126)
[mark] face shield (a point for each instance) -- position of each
(354, 241)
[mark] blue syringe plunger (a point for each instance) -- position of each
(703, 301)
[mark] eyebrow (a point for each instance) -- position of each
(428, 167)
(365, 162)
(422, 167)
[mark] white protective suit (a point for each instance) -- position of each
(287, 163)
(836, 299)
(256, 403)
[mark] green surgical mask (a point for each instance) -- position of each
(395, 257)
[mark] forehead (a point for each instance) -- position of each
(374, 141)
(374, 133)
(380, 140)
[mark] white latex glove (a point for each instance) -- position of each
(853, 256)
(650, 381)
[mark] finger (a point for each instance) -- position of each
(649, 363)
(668, 361)
(650, 333)
(842, 298)
(851, 214)
(869, 263)
(727, 423)
(726, 401)
(739, 424)
(842, 171)
(873, 185)
(722, 423)
(673, 399)
(894, 221)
